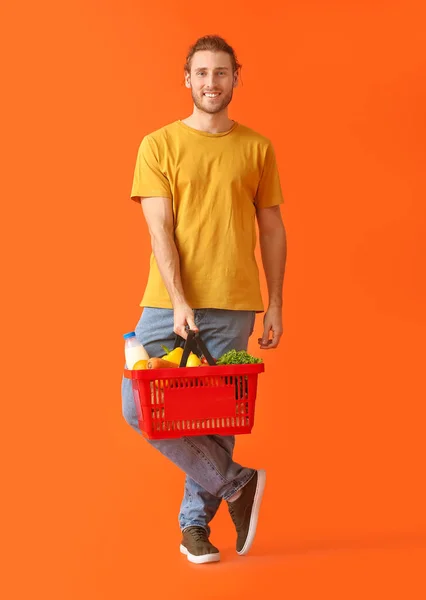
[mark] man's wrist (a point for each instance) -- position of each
(178, 302)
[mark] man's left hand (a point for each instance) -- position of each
(272, 328)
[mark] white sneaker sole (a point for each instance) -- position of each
(199, 560)
(261, 480)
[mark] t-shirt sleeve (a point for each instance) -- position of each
(269, 192)
(148, 178)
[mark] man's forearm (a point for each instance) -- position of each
(273, 246)
(167, 257)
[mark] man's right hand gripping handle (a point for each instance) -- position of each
(183, 317)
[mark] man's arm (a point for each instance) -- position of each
(273, 246)
(159, 217)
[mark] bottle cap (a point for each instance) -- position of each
(129, 335)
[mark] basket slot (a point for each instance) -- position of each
(137, 401)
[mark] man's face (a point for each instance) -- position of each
(211, 81)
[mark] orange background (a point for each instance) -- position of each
(89, 509)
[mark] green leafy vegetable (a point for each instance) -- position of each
(238, 357)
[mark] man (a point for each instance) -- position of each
(202, 182)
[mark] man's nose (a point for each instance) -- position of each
(211, 80)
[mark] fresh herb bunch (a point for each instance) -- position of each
(238, 357)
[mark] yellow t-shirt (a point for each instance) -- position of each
(215, 181)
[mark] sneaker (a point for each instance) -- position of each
(197, 547)
(245, 511)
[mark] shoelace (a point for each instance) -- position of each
(198, 533)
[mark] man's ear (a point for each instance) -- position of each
(236, 79)
(187, 80)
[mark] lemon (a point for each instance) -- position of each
(141, 364)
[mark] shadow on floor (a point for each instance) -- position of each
(372, 541)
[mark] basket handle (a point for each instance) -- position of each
(193, 343)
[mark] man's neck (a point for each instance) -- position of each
(217, 123)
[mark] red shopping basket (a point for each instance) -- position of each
(188, 401)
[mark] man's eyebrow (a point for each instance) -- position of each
(216, 69)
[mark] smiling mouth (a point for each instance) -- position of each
(211, 94)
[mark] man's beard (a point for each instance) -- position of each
(213, 108)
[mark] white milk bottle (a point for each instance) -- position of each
(133, 350)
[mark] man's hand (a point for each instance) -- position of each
(272, 325)
(183, 316)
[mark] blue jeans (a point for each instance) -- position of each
(211, 473)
